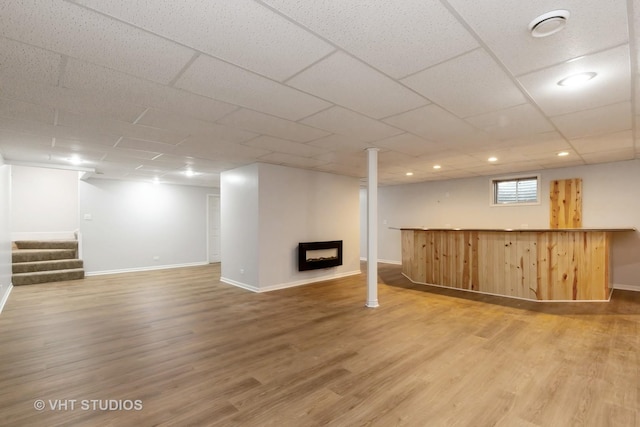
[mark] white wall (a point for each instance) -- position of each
(268, 209)
(5, 231)
(239, 226)
(44, 203)
(611, 198)
(305, 206)
(138, 226)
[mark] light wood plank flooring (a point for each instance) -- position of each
(198, 352)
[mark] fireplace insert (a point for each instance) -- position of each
(317, 255)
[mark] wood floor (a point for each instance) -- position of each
(197, 352)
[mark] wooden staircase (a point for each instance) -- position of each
(42, 261)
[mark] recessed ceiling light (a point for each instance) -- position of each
(156, 180)
(437, 166)
(189, 172)
(563, 153)
(577, 79)
(75, 160)
(492, 159)
(549, 23)
(409, 173)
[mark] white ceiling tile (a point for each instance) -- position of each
(10, 137)
(401, 37)
(547, 151)
(71, 100)
(225, 82)
(611, 85)
(609, 119)
(204, 148)
(273, 126)
(348, 123)
(79, 33)
(190, 126)
(409, 144)
(283, 146)
(609, 156)
(118, 128)
(353, 88)
(351, 159)
(254, 36)
(455, 160)
(109, 86)
(291, 160)
(28, 62)
(435, 124)
(600, 143)
(24, 125)
(509, 155)
(81, 146)
(560, 162)
(129, 153)
(512, 122)
(467, 85)
(533, 141)
(17, 109)
(39, 131)
(593, 25)
(144, 145)
(336, 142)
(340, 169)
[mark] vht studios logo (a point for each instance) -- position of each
(88, 405)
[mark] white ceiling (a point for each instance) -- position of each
(150, 88)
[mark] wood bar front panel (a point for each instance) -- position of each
(558, 265)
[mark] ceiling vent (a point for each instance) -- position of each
(549, 23)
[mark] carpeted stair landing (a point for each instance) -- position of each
(41, 261)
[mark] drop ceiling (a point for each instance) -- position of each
(148, 89)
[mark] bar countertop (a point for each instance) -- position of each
(536, 230)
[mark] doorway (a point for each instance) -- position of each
(213, 228)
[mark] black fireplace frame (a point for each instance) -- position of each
(303, 247)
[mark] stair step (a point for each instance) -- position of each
(58, 264)
(47, 276)
(30, 255)
(46, 244)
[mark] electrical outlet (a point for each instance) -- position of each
(242, 271)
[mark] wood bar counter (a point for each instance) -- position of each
(534, 264)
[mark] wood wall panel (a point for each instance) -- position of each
(566, 203)
(539, 265)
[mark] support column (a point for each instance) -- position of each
(372, 227)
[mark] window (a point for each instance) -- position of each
(515, 190)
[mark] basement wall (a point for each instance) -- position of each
(44, 203)
(136, 226)
(5, 232)
(268, 209)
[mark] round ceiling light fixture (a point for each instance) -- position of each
(577, 79)
(549, 23)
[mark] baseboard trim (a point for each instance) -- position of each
(384, 261)
(288, 284)
(623, 287)
(309, 281)
(150, 268)
(507, 296)
(239, 284)
(5, 297)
